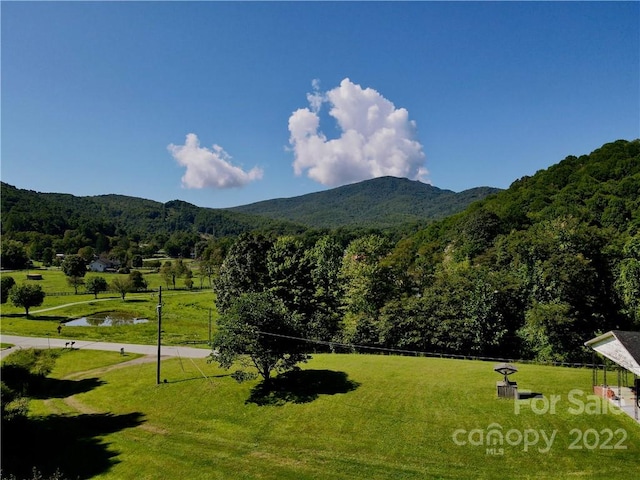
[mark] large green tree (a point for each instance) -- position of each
(13, 255)
(464, 310)
(6, 282)
(86, 253)
(289, 275)
(325, 259)
(565, 273)
(367, 281)
(74, 266)
(27, 296)
(628, 281)
(23, 374)
(138, 281)
(122, 285)
(258, 330)
(171, 271)
(367, 286)
(244, 270)
(96, 285)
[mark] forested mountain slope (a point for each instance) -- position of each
(602, 189)
(378, 203)
(533, 271)
(56, 213)
(530, 272)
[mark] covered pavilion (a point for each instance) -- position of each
(623, 349)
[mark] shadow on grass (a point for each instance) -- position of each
(36, 317)
(37, 386)
(301, 386)
(51, 318)
(528, 395)
(70, 444)
(54, 388)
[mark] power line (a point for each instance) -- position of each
(419, 353)
(339, 344)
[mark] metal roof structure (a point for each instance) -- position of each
(622, 347)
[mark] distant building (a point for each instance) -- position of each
(102, 265)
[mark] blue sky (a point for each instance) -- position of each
(223, 104)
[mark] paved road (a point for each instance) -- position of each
(166, 351)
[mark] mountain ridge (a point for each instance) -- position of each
(386, 201)
(379, 203)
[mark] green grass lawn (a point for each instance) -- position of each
(353, 416)
(74, 363)
(342, 417)
(185, 314)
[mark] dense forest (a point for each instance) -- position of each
(529, 272)
(532, 272)
(378, 203)
(64, 223)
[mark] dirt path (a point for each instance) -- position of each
(85, 409)
(108, 368)
(73, 303)
(43, 310)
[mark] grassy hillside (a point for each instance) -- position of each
(354, 417)
(381, 202)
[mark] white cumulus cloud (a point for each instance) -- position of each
(376, 138)
(209, 167)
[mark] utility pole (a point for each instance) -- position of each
(209, 327)
(159, 309)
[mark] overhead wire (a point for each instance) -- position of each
(417, 353)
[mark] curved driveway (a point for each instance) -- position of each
(110, 299)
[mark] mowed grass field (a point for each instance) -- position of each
(351, 417)
(185, 313)
(342, 417)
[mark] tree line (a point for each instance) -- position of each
(28, 295)
(530, 272)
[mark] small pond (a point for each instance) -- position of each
(106, 319)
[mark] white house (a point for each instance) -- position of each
(102, 265)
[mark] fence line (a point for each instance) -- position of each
(354, 348)
(417, 353)
(177, 289)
